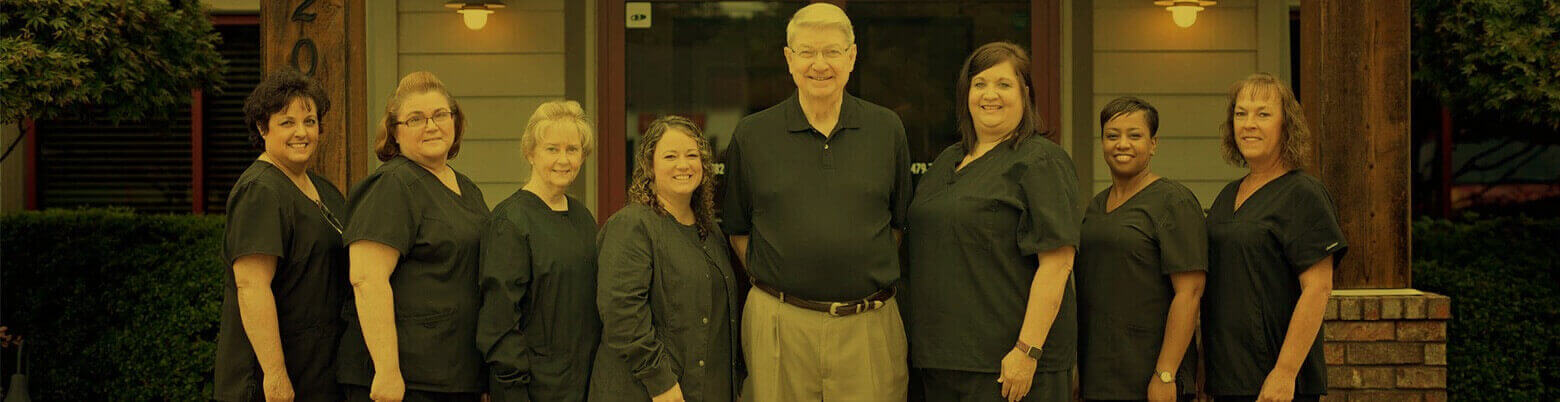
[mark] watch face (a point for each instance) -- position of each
(1165, 377)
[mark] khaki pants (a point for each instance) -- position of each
(795, 354)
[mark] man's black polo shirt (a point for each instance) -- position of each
(820, 210)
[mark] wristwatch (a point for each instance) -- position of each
(1032, 351)
(1165, 376)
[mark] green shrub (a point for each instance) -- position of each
(1505, 331)
(114, 305)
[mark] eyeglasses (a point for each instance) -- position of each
(830, 54)
(330, 218)
(418, 121)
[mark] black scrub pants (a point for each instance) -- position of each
(358, 393)
(967, 386)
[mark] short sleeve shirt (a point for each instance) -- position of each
(1124, 289)
(269, 215)
(820, 210)
(438, 234)
(974, 237)
(1256, 255)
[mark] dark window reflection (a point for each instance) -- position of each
(716, 62)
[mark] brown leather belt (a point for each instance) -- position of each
(836, 309)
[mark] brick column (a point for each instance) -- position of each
(1386, 345)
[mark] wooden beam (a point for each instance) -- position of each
(612, 191)
(197, 152)
(1045, 61)
(30, 187)
(324, 39)
(1355, 76)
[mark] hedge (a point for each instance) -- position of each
(114, 305)
(121, 306)
(1502, 276)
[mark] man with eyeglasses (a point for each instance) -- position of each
(816, 193)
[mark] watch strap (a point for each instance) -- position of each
(1033, 352)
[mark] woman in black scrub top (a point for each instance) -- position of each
(667, 294)
(538, 326)
(992, 232)
(1141, 269)
(281, 298)
(1273, 239)
(413, 242)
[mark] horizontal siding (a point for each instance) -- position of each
(507, 31)
(499, 74)
(1170, 73)
(1185, 73)
(430, 6)
(1217, 28)
(492, 74)
(499, 118)
(492, 161)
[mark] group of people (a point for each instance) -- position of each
(411, 289)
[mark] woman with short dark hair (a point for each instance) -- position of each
(1141, 269)
(283, 290)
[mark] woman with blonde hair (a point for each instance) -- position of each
(1273, 239)
(538, 326)
(413, 239)
(667, 294)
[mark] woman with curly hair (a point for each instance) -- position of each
(665, 289)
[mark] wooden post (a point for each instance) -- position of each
(1355, 79)
(324, 39)
(611, 151)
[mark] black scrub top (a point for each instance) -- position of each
(269, 215)
(438, 234)
(538, 326)
(1124, 289)
(1256, 255)
(821, 210)
(974, 240)
(668, 302)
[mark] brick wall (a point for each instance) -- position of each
(1386, 345)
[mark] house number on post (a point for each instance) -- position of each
(304, 44)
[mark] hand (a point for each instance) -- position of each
(1278, 387)
(1018, 370)
(671, 395)
(1160, 392)
(487, 397)
(388, 387)
(278, 388)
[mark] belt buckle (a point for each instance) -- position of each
(834, 309)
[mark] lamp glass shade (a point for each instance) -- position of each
(1184, 16)
(475, 18)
